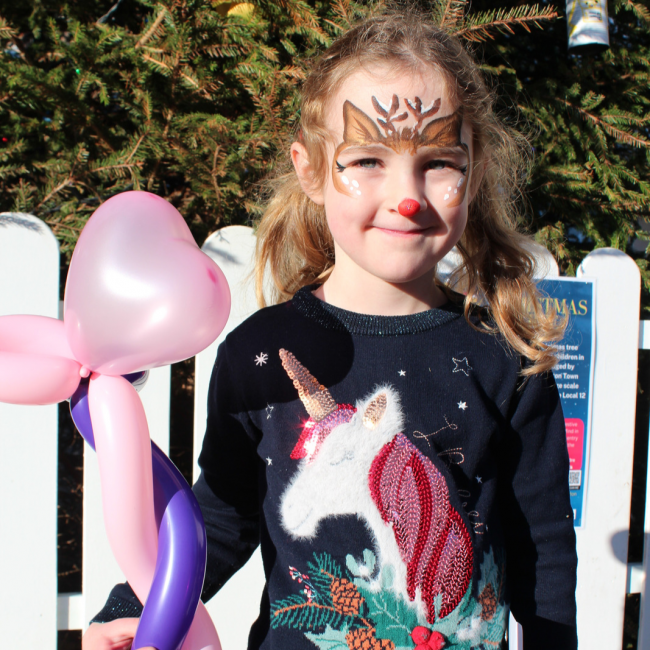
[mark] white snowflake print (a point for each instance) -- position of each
(478, 479)
(402, 373)
(269, 411)
(462, 365)
(462, 405)
(269, 461)
(261, 359)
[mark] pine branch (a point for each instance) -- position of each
(109, 13)
(307, 614)
(56, 190)
(617, 134)
(151, 31)
(483, 26)
(451, 14)
(6, 31)
(641, 12)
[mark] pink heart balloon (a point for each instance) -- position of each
(140, 293)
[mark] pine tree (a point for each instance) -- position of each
(185, 98)
(192, 99)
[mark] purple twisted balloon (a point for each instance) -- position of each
(182, 547)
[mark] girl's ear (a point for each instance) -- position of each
(305, 173)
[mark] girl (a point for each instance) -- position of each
(397, 449)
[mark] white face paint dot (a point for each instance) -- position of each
(460, 182)
(358, 193)
(449, 189)
(446, 196)
(455, 191)
(355, 183)
(345, 179)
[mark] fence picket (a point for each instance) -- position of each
(100, 570)
(236, 606)
(602, 542)
(29, 284)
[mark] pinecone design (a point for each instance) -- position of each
(345, 597)
(488, 602)
(364, 639)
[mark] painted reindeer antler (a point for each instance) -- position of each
(416, 111)
(388, 114)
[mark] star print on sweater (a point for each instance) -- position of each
(462, 365)
(261, 359)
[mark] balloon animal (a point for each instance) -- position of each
(140, 294)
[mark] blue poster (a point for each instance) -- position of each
(574, 374)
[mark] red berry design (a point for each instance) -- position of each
(436, 641)
(426, 639)
(420, 634)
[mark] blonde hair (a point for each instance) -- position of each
(294, 242)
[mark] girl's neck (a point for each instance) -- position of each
(374, 296)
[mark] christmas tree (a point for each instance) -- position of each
(193, 99)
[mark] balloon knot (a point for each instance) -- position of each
(84, 372)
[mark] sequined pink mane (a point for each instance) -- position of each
(412, 496)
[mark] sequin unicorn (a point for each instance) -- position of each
(354, 460)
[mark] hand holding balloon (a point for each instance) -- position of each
(140, 294)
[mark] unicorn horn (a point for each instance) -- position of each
(316, 398)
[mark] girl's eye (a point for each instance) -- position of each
(439, 164)
(367, 163)
(445, 164)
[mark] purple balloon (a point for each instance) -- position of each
(182, 546)
(180, 565)
(80, 412)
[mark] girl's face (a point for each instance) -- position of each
(396, 196)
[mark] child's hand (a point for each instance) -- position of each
(116, 635)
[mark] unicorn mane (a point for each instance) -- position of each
(412, 496)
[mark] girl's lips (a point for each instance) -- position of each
(404, 233)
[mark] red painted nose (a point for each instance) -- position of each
(408, 207)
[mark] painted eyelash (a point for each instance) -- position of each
(339, 167)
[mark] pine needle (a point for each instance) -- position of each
(485, 25)
(152, 30)
(641, 12)
(617, 134)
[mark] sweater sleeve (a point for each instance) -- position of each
(538, 518)
(227, 489)
(227, 492)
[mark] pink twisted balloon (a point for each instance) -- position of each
(140, 294)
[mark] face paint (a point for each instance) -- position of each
(360, 130)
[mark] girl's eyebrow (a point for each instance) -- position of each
(443, 151)
(368, 149)
(377, 149)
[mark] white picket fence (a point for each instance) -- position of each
(31, 611)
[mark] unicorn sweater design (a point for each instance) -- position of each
(383, 479)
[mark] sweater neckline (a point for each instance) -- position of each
(366, 325)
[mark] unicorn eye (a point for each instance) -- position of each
(339, 460)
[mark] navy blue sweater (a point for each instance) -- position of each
(406, 484)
